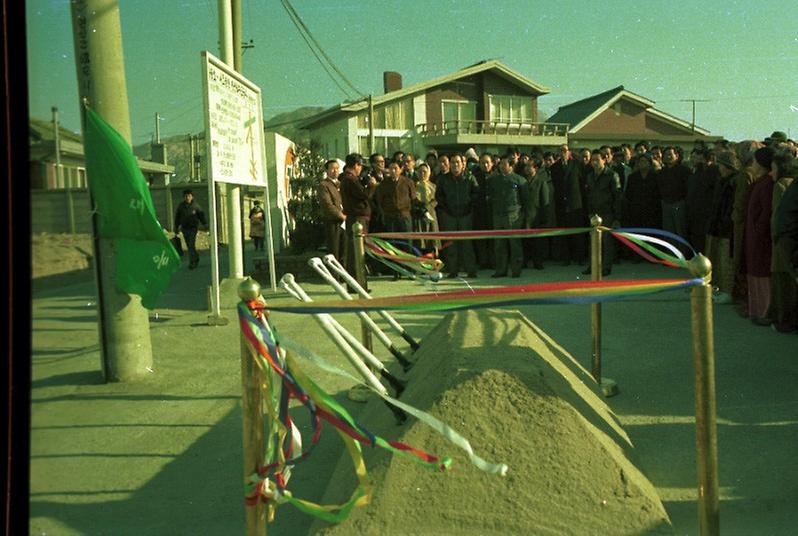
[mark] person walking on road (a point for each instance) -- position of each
(188, 217)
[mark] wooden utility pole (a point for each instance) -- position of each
(126, 349)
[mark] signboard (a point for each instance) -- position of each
(234, 123)
(234, 144)
(280, 156)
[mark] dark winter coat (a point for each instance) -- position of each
(641, 201)
(456, 196)
(604, 195)
(189, 216)
(355, 197)
(758, 245)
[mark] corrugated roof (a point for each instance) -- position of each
(41, 130)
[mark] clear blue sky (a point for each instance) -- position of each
(741, 56)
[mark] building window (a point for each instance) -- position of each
(387, 145)
(459, 110)
(379, 145)
(511, 108)
(395, 116)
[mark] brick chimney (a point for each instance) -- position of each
(391, 81)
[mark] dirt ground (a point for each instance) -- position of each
(163, 455)
(61, 253)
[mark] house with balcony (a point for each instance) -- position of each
(487, 106)
(619, 116)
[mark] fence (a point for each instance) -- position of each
(68, 210)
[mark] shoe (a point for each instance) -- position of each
(472, 275)
(192, 265)
(539, 266)
(452, 275)
(496, 275)
(564, 263)
(516, 274)
(606, 271)
(587, 271)
(761, 321)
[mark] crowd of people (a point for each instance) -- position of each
(735, 202)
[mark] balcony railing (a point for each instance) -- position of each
(492, 128)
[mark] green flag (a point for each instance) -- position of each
(145, 259)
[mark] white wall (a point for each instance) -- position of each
(278, 170)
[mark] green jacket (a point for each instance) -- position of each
(506, 193)
(456, 196)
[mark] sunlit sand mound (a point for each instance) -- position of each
(520, 399)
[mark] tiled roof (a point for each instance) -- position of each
(578, 111)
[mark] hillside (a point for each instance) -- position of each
(285, 123)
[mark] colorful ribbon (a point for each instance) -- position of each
(269, 483)
(382, 246)
(534, 294)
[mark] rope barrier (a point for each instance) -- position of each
(384, 247)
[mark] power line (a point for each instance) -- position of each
(326, 57)
(758, 97)
(304, 32)
(323, 65)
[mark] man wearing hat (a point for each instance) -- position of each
(721, 227)
(776, 138)
(188, 217)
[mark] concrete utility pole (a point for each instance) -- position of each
(230, 40)
(59, 172)
(234, 193)
(191, 164)
(371, 125)
(125, 344)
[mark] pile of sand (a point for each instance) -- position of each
(54, 253)
(519, 399)
(60, 253)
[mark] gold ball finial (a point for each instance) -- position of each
(357, 228)
(595, 220)
(700, 266)
(248, 289)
